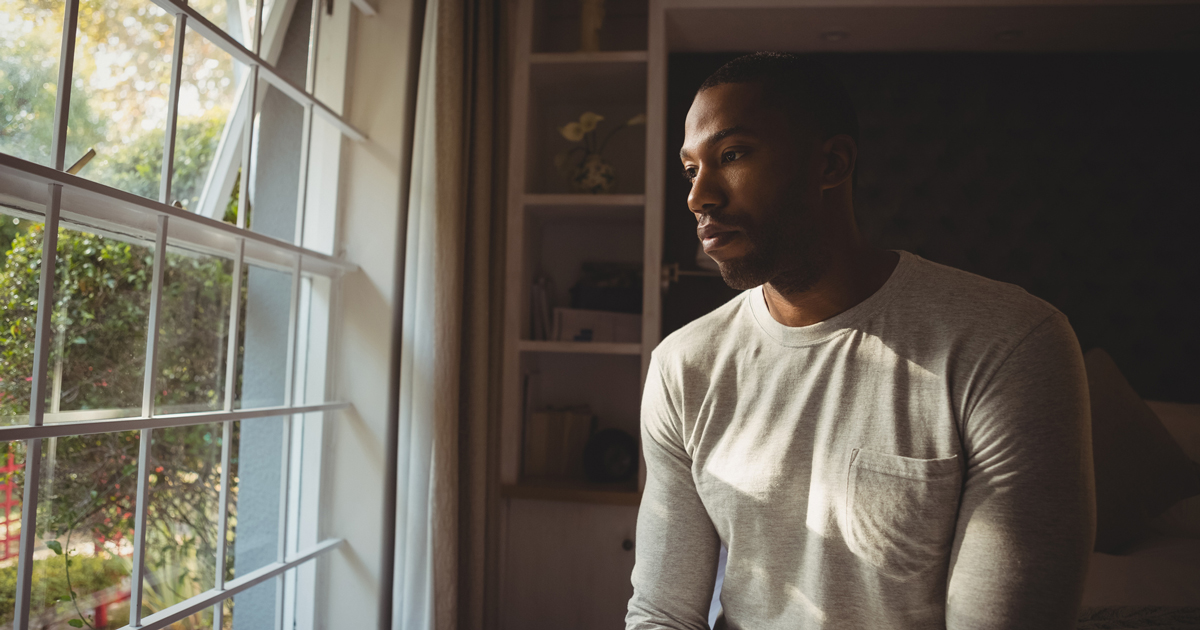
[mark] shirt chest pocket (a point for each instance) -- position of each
(900, 512)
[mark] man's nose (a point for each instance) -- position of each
(707, 194)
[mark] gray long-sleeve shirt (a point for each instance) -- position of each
(922, 460)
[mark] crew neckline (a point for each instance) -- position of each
(795, 336)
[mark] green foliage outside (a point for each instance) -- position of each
(88, 575)
(101, 301)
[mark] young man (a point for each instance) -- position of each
(879, 441)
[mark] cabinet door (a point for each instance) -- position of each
(566, 565)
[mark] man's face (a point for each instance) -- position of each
(755, 184)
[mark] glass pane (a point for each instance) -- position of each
(193, 337)
(275, 181)
(31, 32)
(120, 93)
(183, 516)
(257, 504)
(22, 244)
(208, 91)
(85, 528)
(12, 477)
(102, 302)
(266, 309)
(254, 608)
(231, 16)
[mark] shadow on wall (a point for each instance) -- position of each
(1070, 175)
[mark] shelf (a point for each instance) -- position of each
(584, 200)
(615, 208)
(579, 347)
(571, 490)
(615, 56)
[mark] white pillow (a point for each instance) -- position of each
(1183, 422)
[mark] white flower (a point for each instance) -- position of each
(572, 131)
(589, 120)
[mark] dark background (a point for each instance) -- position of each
(1074, 176)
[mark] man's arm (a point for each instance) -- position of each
(1027, 521)
(677, 545)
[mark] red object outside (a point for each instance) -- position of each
(10, 518)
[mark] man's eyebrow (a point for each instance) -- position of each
(717, 137)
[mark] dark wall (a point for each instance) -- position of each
(1074, 176)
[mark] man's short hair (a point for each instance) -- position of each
(800, 83)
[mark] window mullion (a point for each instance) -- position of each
(37, 399)
(302, 196)
(285, 473)
(168, 163)
(247, 148)
(66, 71)
(227, 430)
(256, 38)
(137, 578)
(314, 34)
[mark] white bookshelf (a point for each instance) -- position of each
(551, 231)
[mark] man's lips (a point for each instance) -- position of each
(714, 236)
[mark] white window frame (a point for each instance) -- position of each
(51, 195)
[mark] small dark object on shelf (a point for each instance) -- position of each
(611, 456)
(606, 286)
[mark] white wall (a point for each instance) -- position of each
(352, 494)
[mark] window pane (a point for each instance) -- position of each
(207, 141)
(98, 352)
(254, 512)
(120, 91)
(193, 337)
(231, 16)
(31, 32)
(254, 608)
(275, 181)
(12, 477)
(182, 521)
(267, 308)
(22, 243)
(85, 527)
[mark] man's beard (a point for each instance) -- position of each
(791, 264)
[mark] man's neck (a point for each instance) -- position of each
(849, 279)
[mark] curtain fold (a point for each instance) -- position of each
(447, 536)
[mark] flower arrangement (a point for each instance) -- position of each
(591, 174)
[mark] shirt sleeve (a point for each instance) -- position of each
(1026, 523)
(677, 546)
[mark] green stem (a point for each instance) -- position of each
(70, 589)
(610, 135)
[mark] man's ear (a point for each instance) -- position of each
(840, 155)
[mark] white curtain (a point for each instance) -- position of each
(446, 531)
(412, 603)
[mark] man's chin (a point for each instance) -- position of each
(743, 272)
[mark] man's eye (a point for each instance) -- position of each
(689, 173)
(730, 156)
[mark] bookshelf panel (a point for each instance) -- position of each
(559, 94)
(557, 25)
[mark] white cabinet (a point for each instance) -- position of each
(566, 565)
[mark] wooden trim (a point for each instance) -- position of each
(572, 491)
(619, 56)
(580, 347)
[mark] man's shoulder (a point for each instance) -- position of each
(954, 297)
(701, 336)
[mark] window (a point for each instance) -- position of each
(166, 296)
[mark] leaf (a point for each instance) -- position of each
(75, 623)
(640, 119)
(55, 546)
